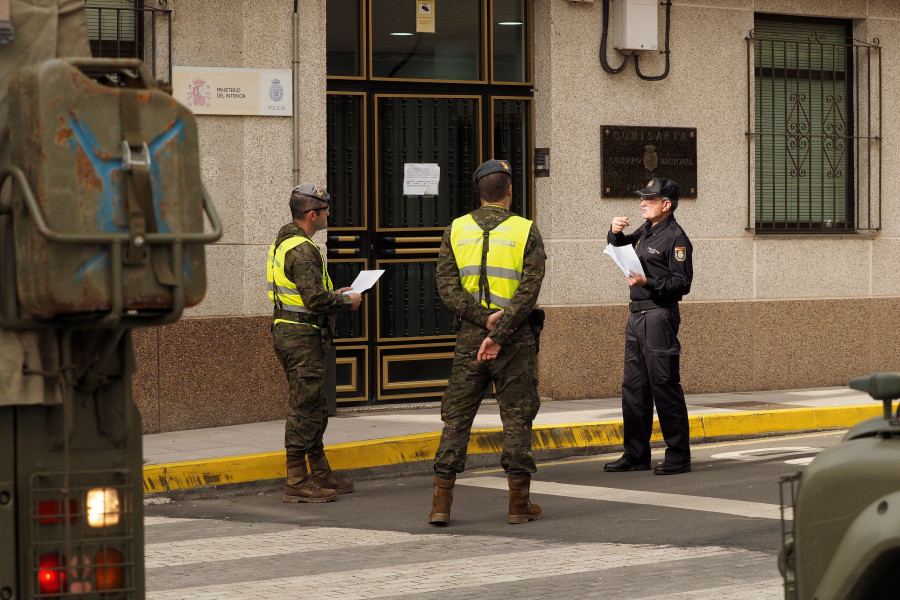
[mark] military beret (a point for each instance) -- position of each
(491, 166)
(661, 187)
(313, 191)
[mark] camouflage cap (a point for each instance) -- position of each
(313, 191)
(665, 188)
(492, 166)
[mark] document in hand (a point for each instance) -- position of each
(626, 258)
(364, 281)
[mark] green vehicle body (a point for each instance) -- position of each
(844, 539)
(101, 231)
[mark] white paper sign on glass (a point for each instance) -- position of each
(421, 179)
(626, 258)
(364, 281)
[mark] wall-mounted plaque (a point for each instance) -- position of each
(634, 155)
(221, 91)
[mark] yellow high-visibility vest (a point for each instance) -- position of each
(282, 291)
(505, 256)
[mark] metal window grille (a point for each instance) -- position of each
(814, 139)
(511, 132)
(120, 29)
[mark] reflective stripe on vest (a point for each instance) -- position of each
(282, 291)
(505, 256)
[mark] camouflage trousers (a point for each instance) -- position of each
(514, 377)
(302, 354)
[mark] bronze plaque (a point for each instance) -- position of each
(634, 155)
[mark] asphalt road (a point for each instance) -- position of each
(711, 533)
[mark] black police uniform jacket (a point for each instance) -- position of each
(665, 253)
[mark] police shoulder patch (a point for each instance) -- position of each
(680, 254)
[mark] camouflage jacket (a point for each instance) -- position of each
(303, 266)
(473, 314)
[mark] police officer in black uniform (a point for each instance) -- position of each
(652, 351)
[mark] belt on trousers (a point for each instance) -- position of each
(287, 315)
(639, 305)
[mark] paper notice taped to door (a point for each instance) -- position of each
(421, 179)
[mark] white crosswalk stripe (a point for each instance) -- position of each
(774, 591)
(150, 521)
(587, 492)
(187, 552)
(347, 563)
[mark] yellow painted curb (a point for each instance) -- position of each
(421, 447)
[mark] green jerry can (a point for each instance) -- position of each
(113, 194)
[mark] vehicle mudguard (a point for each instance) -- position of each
(864, 564)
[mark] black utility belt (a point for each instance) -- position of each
(639, 305)
(296, 317)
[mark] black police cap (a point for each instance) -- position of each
(491, 166)
(313, 191)
(659, 186)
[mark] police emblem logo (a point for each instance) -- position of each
(680, 254)
(276, 91)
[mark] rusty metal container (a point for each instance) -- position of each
(66, 136)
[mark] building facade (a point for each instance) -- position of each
(774, 116)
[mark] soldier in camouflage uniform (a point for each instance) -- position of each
(304, 299)
(492, 293)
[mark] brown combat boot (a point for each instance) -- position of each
(521, 510)
(300, 487)
(441, 501)
(321, 471)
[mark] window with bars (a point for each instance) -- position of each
(126, 29)
(815, 127)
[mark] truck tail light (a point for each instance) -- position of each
(109, 569)
(53, 511)
(102, 507)
(52, 574)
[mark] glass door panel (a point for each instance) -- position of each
(344, 38)
(408, 302)
(509, 41)
(512, 140)
(346, 122)
(452, 53)
(351, 325)
(433, 129)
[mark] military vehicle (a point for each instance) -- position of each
(103, 221)
(841, 515)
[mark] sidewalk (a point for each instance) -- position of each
(375, 442)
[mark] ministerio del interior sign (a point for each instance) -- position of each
(632, 156)
(220, 91)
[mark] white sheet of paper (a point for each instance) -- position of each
(364, 281)
(626, 258)
(421, 179)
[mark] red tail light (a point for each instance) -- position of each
(109, 569)
(52, 574)
(53, 511)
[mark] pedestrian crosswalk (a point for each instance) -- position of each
(740, 508)
(210, 559)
